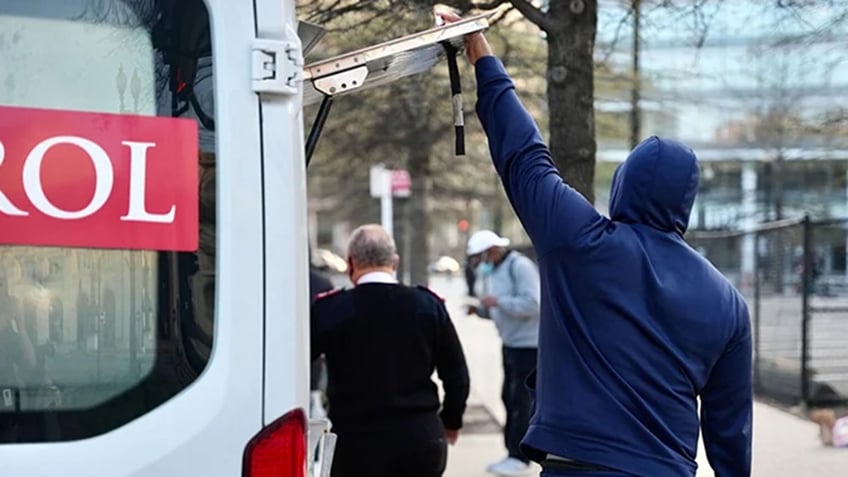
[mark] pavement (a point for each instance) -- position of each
(784, 444)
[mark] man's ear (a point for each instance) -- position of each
(349, 267)
(395, 262)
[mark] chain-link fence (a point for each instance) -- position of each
(793, 274)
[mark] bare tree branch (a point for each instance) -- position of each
(695, 11)
(501, 16)
(610, 47)
(538, 17)
(703, 22)
(489, 5)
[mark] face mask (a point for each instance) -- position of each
(485, 268)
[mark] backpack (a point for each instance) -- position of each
(512, 266)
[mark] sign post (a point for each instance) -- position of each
(381, 189)
(385, 185)
(387, 214)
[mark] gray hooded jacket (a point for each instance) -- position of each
(515, 283)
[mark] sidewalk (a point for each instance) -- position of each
(784, 445)
(470, 456)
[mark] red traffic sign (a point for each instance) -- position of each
(401, 183)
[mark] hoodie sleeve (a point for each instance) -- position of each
(727, 408)
(553, 213)
(524, 304)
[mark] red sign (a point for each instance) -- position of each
(75, 179)
(401, 183)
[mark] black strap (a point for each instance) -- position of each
(456, 97)
(555, 465)
(207, 121)
(512, 273)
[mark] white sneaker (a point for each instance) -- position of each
(508, 467)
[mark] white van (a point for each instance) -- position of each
(153, 245)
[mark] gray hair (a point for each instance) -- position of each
(371, 246)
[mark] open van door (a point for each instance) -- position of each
(385, 63)
(278, 74)
(131, 266)
(153, 246)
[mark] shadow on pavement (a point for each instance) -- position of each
(478, 420)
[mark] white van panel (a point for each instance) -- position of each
(204, 429)
(286, 266)
(286, 263)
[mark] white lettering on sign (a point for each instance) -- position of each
(104, 178)
(6, 205)
(138, 184)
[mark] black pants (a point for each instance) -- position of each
(470, 279)
(518, 363)
(361, 457)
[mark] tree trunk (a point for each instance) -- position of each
(497, 207)
(636, 87)
(401, 220)
(571, 92)
(419, 220)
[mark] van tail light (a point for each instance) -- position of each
(279, 450)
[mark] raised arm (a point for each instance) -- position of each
(727, 409)
(552, 212)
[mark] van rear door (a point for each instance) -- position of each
(131, 262)
(285, 85)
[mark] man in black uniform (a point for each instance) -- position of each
(382, 341)
(318, 284)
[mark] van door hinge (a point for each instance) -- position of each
(277, 66)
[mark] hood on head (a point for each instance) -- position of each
(656, 185)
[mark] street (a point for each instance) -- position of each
(784, 445)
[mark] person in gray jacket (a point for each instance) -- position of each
(509, 294)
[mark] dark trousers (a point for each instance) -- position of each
(361, 457)
(518, 363)
(470, 279)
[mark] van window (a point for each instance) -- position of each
(91, 339)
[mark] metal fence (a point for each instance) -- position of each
(793, 274)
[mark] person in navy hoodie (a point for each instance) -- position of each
(635, 325)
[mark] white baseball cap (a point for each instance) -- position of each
(484, 240)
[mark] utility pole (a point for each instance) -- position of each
(497, 212)
(635, 92)
(381, 187)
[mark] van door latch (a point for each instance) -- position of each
(277, 66)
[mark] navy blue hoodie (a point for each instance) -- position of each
(635, 325)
